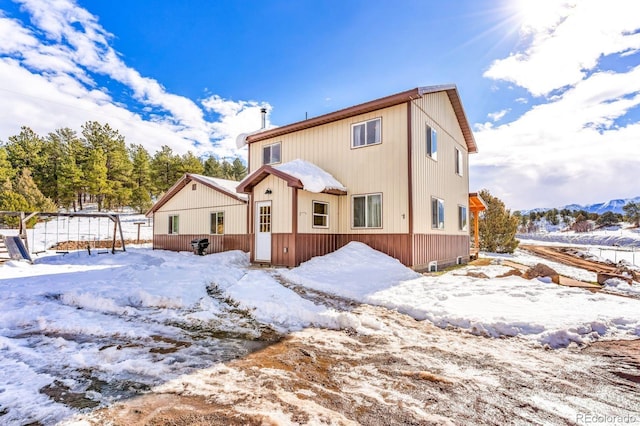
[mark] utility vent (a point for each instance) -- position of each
(459, 260)
(433, 266)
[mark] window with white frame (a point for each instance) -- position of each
(437, 213)
(217, 223)
(458, 159)
(320, 214)
(366, 133)
(367, 211)
(173, 224)
(271, 154)
(432, 142)
(463, 218)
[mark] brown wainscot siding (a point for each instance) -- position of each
(217, 243)
(445, 249)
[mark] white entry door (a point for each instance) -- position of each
(263, 231)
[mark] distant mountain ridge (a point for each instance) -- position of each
(614, 206)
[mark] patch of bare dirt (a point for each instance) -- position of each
(564, 255)
(397, 371)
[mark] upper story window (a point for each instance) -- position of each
(271, 154)
(432, 142)
(366, 133)
(193, 186)
(320, 214)
(462, 218)
(217, 223)
(173, 224)
(367, 211)
(458, 160)
(437, 213)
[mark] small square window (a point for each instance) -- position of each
(367, 211)
(271, 154)
(193, 186)
(367, 133)
(320, 214)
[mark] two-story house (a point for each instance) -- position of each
(391, 173)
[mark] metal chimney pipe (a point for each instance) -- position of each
(263, 111)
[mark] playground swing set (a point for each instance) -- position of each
(18, 246)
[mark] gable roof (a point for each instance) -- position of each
(224, 186)
(398, 98)
(298, 174)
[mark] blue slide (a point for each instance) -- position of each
(16, 248)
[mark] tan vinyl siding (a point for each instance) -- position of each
(305, 212)
(281, 199)
(437, 178)
(194, 209)
(380, 168)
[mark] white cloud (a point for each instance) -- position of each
(563, 49)
(570, 148)
(498, 115)
(46, 84)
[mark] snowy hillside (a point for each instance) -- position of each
(614, 206)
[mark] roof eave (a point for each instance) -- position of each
(388, 101)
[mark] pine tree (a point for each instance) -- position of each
(165, 169)
(26, 187)
(96, 175)
(7, 172)
(227, 170)
(632, 213)
(25, 149)
(189, 163)
(497, 226)
(238, 169)
(212, 167)
(141, 178)
(13, 202)
(117, 192)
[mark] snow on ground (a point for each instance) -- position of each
(79, 330)
(132, 320)
(626, 241)
(47, 233)
(510, 306)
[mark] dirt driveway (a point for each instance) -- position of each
(401, 372)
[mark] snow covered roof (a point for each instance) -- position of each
(227, 187)
(298, 174)
(224, 184)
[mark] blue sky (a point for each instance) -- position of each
(551, 88)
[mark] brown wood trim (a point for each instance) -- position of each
(410, 164)
(217, 188)
(444, 249)
(439, 247)
(217, 243)
(450, 89)
(259, 175)
(336, 115)
(184, 181)
(294, 225)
